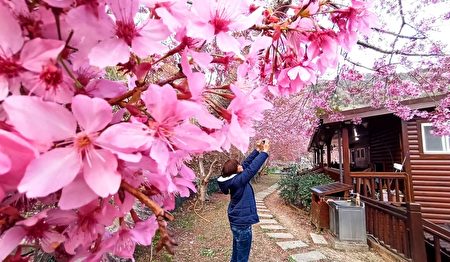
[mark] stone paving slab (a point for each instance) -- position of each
(263, 210)
(268, 221)
(318, 239)
(265, 215)
(280, 235)
(291, 244)
(263, 207)
(272, 227)
(308, 257)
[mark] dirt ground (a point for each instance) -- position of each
(205, 235)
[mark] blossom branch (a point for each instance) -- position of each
(396, 52)
(400, 36)
(116, 100)
(167, 240)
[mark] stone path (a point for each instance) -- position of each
(285, 240)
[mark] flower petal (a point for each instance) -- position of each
(227, 43)
(11, 39)
(150, 38)
(104, 88)
(9, 240)
(92, 114)
(144, 231)
(160, 153)
(76, 194)
(39, 121)
(37, 52)
(100, 173)
(51, 240)
(50, 172)
(126, 137)
(5, 163)
(109, 53)
(124, 10)
(59, 3)
(161, 102)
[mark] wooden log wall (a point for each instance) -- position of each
(430, 175)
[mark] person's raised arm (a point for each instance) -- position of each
(252, 155)
(251, 170)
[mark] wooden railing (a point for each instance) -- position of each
(332, 172)
(439, 239)
(397, 228)
(371, 184)
(316, 169)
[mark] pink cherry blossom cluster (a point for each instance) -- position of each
(102, 101)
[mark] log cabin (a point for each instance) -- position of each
(398, 167)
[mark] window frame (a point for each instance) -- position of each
(445, 140)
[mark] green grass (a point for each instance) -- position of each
(290, 259)
(184, 221)
(201, 238)
(207, 252)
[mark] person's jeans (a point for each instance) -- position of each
(242, 243)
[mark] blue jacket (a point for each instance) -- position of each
(242, 207)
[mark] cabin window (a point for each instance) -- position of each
(362, 152)
(433, 144)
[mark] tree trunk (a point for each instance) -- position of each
(204, 179)
(202, 191)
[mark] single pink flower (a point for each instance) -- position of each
(44, 76)
(243, 110)
(89, 223)
(98, 166)
(168, 129)
(351, 20)
(124, 241)
(217, 19)
(125, 36)
(250, 68)
(39, 228)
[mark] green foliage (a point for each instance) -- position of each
(272, 169)
(213, 186)
(296, 189)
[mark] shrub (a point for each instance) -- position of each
(296, 189)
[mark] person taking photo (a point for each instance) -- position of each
(242, 213)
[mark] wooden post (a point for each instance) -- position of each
(329, 154)
(407, 164)
(416, 233)
(314, 157)
(346, 156)
(321, 155)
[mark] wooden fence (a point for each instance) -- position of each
(402, 230)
